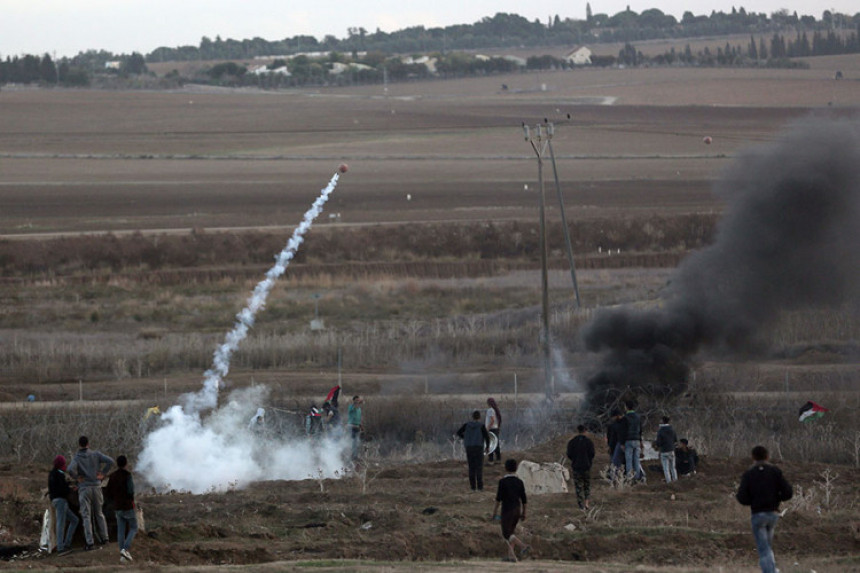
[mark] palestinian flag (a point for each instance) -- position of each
(333, 395)
(811, 411)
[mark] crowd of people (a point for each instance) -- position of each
(762, 487)
(84, 475)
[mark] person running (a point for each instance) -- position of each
(59, 490)
(120, 488)
(580, 451)
(665, 444)
(511, 494)
(476, 440)
(493, 421)
(762, 488)
(89, 467)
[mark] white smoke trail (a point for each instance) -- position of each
(208, 397)
(189, 453)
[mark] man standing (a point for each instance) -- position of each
(493, 421)
(580, 451)
(633, 443)
(89, 467)
(665, 443)
(616, 433)
(762, 488)
(58, 490)
(354, 423)
(476, 439)
(120, 487)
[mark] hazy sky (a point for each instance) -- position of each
(66, 27)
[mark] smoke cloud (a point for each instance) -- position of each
(788, 240)
(191, 453)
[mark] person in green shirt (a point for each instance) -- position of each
(353, 422)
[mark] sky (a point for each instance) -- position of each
(66, 27)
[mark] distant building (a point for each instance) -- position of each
(263, 70)
(113, 65)
(521, 62)
(338, 68)
(580, 56)
(429, 63)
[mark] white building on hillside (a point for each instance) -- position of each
(580, 56)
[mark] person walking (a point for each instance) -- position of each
(89, 467)
(355, 424)
(665, 444)
(511, 494)
(762, 488)
(58, 491)
(580, 451)
(476, 440)
(633, 444)
(120, 488)
(493, 421)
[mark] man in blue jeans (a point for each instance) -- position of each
(120, 487)
(762, 488)
(59, 489)
(633, 444)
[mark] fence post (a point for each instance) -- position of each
(516, 403)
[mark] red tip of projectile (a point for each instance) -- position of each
(343, 168)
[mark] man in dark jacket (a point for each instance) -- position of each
(616, 433)
(58, 490)
(686, 458)
(580, 451)
(120, 488)
(762, 488)
(633, 446)
(665, 445)
(476, 439)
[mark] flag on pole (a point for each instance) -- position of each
(333, 395)
(811, 411)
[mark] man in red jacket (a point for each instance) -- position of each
(762, 488)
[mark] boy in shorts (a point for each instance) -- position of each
(512, 497)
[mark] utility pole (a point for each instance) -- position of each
(539, 142)
(550, 129)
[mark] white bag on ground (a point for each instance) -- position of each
(48, 540)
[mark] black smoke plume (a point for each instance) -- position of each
(788, 240)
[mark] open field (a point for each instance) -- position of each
(427, 279)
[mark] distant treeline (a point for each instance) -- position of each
(371, 57)
(511, 30)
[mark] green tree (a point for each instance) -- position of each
(134, 64)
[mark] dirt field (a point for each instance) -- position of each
(89, 161)
(418, 513)
(82, 162)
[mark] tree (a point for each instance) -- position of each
(47, 70)
(134, 64)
